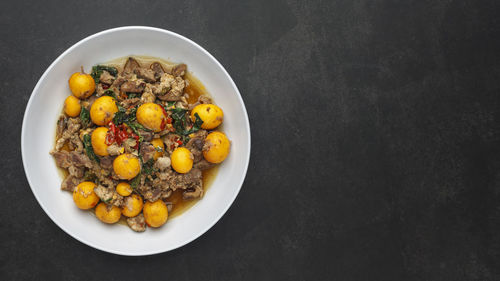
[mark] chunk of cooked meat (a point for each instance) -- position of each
(176, 88)
(119, 81)
(147, 136)
(147, 75)
(203, 165)
(174, 181)
(133, 86)
(201, 100)
(75, 143)
(114, 149)
(170, 141)
(73, 125)
(99, 90)
(195, 145)
(176, 69)
(104, 193)
(158, 70)
(76, 172)
(88, 102)
(137, 223)
(65, 159)
(162, 163)
(108, 195)
(70, 182)
(164, 86)
(192, 193)
(147, 151)
(152, 194)
(127, 103)
(179, 69)
(147, 95)
(131, 65)
(106, 162)
(129, 145)
(61, 124)
(106, 78)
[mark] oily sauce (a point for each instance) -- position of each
(194, 88)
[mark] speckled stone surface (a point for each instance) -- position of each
(375, 140)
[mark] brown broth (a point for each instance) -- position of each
(194, 89)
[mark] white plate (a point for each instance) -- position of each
(45, 104)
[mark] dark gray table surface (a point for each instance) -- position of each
(375, 140)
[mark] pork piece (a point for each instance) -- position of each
(179, 69)
(118, 81)
(147, 151)
(174, 181)
(88, 102)
(137, 223)
(147, 75)
(192, 178)
(201, 100)
(73, 125)
(66, 159)
(114, 149)
(175, 88)
(158, 70)
(106, 162)
(133, 86)
(205, 99)
(182, 103)
(170, 141)
(129, 145)
(153, 194)
(70, 182)
(146, 135)
(147, 95)
(75, 143)
(61, 124)
(99, 90)
(131, 65)
(127, 103)
(195, 145)
(162, 163)
(77, 172)
(164, 86)
(176, 69)
(104, 193)
(203, 165)
(192, 183)
(108, 195)
(192, 193)
(106, 78)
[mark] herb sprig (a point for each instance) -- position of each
(87, 144)
(85, 117)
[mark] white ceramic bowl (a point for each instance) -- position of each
(45, 104)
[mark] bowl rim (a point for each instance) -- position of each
(30, 104)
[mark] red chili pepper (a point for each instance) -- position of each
(112, 127)
(105, 86)
(110, 138)
(169, 120)
(136, 137)
(163, 124)
(179, 142)
(164, 111)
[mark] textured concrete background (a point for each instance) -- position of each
(376, 140)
